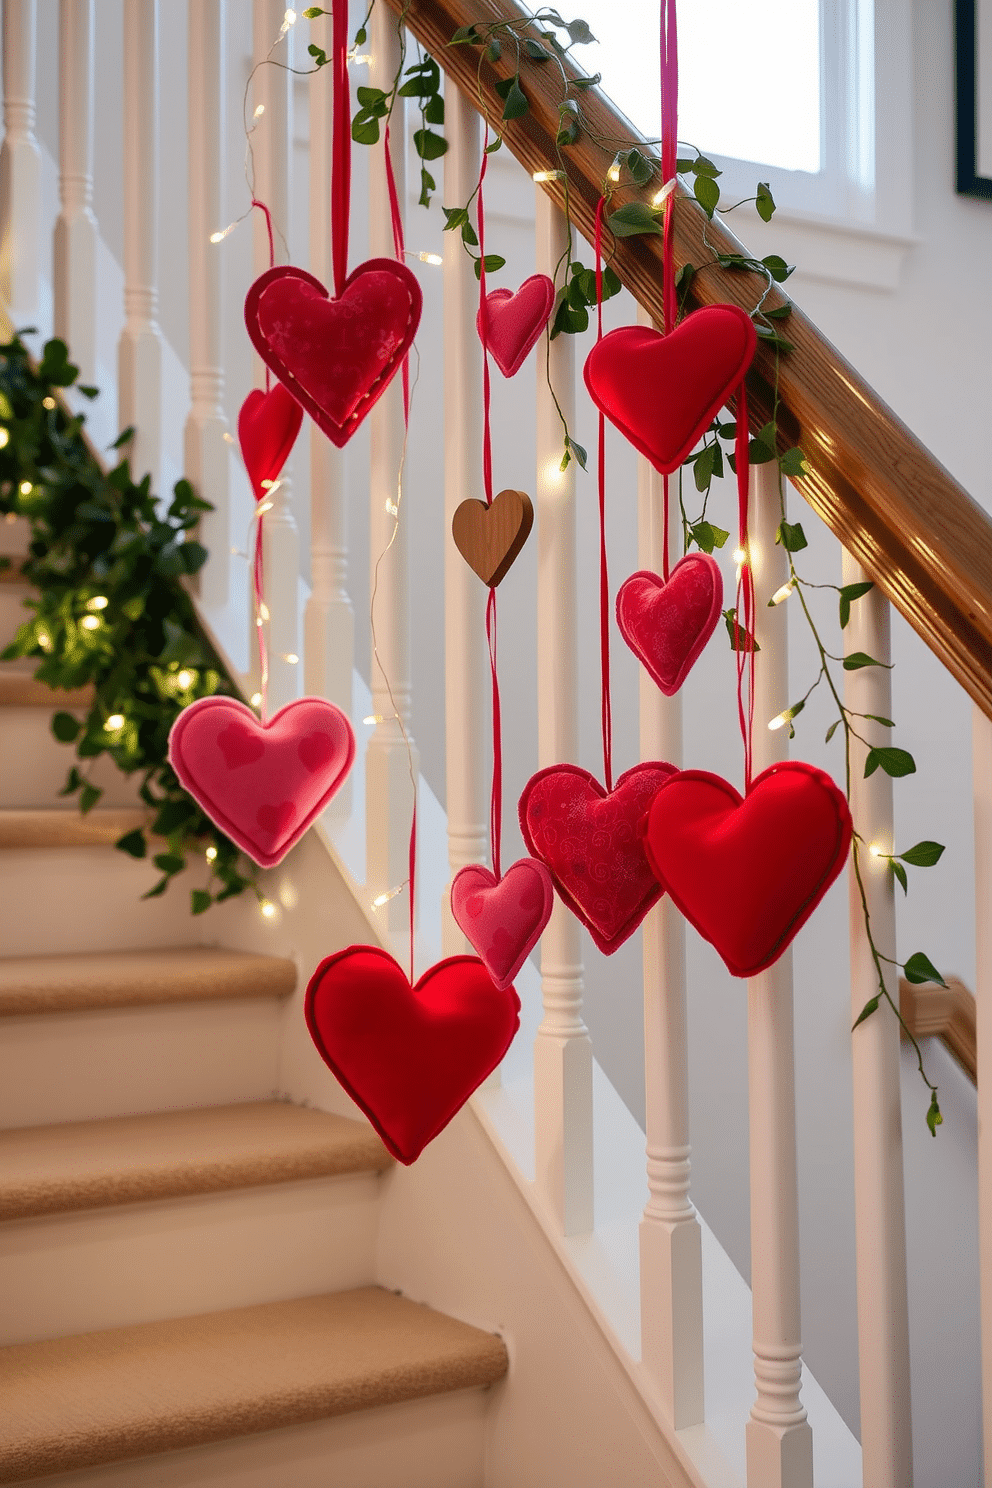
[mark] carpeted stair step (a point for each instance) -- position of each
(99, 1398)
(131, 1159)
(68, 827)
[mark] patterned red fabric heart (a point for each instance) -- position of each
(662, 392)
(515, 321)
(503, 918)
(336, 357)
(410, 1057)
(267, 428)
(262, 784)
(748, 873)
(591, 842)
(667, 625)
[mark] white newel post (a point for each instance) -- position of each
(74, 251)
(389, 792)
(273, 144)
(465, 669)
(779, 1438)
(329, 621)
(670, 1240)
(206, 451)
(20, 165)
(879, 1205)
(982, 771)
(563, 1049)
(139, 351)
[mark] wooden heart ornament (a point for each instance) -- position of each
(336, 357)
(503, 918)
(262, 784)
(410, 1057)
(666, 625)
(267, 428)
(490, 537)
(663, 392)
(514, 320)
(591, 842)
(748, 872)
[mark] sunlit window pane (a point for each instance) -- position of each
(749, 74)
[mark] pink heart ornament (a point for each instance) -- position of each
(667, 625)
(503, 918)
(513, 321)
(262, 783)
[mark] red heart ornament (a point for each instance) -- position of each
(666, 625)
(262, 783)
(514, 321)
(662, 392)
(267, 428)
(503, 918)
(336, 357)
(748, 872)
(591, 842)
(410, 1057)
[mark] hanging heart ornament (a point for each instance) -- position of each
(663, 392)
(335, 356)
(503, 918)
(514, 320)
(262, 783)
(490, 537)
(409, 1056)
(590, 839)
(748, 872)
(267, 428)
(666, 625)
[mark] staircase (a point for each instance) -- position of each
(187, 1262)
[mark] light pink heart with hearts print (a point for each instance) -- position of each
(503, 918)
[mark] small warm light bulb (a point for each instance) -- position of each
(430, 258)
(185, 679)
(98, 602)
(90, 622)
(268, 909)
(614, 173)
(289, 19)
(740, 557)
(782, 594)
(218, 237)
(45, 641)
(264, 506)
(374, 718)
(876, 851)
(660, 197)
(25, 488)
(382, 899)
(210, 853)
(360, 58)
(256, 699)
(114, 723)
(4, 438)
(392, 508)
(291, 657)
(552, 175)
(259, 111)
(49, 403)
(779, 721)
(263, 611)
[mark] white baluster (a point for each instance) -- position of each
(779, 1439)
(670, 1241)
(139, 351)
(329, 621)
(563, 1049)
(272, 144)
(20, 165)
(879, 1206)
(207, 453)
(982, 771)
(465, 596)
(74, 252)
(389, 794)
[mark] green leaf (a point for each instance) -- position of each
(740, 639)
(899, 872)
(876, 718)
(66, 728)
(934, 1118)
(923, 854)
(576, 450)
(312, 11)
(200, 900)
(791, 536)
(895, 762)
(586, 82)
(496, 144)
(707, 193)
(777, 267)
(454, 217)
(72, 783)
(919, 968)
(493, 264)
(361, 35)
(469, 234)
(704, 167)
(793, 463)
(132, 843)
(832, 730)
(158, 889)
(434, 110)
(515, 103)
(871, 1006)
(634, 218)
(428, 145)
(641, 167)
(169, 862)
(764, 202)
(855, 660)
(318, 54)
(703, 467)
(780, 312)
(88, 797)
(579, 33)
(494, 50)
(535, 51)
(464, 34)
(848, 594)
(768, 337)
(707, 537)
(124, 437)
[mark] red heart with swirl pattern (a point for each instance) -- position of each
(666, 625)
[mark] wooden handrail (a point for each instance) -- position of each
(918, 533)
(946, 1013)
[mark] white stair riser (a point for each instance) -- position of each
(114, 1062)
(35, 765)
(434, 1443)
(55, 900)
(109, 1268)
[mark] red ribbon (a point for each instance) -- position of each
(744, 634)
(606, 706)
(496, 791)
(340, 148)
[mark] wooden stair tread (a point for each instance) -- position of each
(68, 827)
(20, 689)
(103, 1397)
(130, 1159)
(84, 981)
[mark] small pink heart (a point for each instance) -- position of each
(512, 322)
(267, 428)
(262, 784)
(667, 625)
(503, 918)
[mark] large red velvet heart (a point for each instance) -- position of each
(667, 625)
(262, 784)
(410, 1057)
(591, 842)
(336, 357)
(515, 320)
(267, 428)
(503, 918)
(748, 873)
(663, 392)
